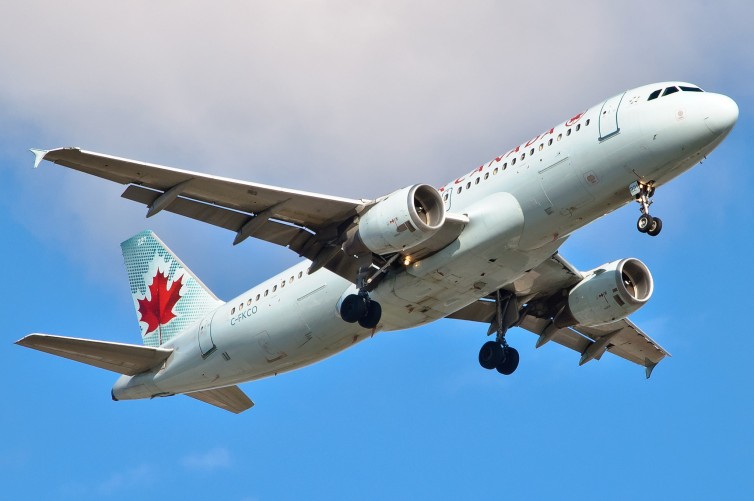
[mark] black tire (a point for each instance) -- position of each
(656, 227)
(651, 192)
(510, 363)
(644, 223)
(491, 355)
(353, 308)
(372, 317)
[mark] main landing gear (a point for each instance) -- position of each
(497, 354)
(359, 308)
(643, 192)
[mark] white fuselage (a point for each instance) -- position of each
(521, 207)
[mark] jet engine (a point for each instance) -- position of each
(611, 292)
(401, 220)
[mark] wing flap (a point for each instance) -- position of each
(122, 358)
(230, 398)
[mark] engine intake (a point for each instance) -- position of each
(402, 220)
(610, 293)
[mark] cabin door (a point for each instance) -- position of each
(608, 121)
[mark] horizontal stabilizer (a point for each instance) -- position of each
(230, 398)
(122, 358)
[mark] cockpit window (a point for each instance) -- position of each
(691, 89)
(670, 90)
(654, 95)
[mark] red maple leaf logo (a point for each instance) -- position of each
(159, 310)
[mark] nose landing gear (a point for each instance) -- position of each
(643, 192)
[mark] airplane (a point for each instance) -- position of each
(482, 248)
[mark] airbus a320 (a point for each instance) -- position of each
(482, 248)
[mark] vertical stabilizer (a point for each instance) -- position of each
(167, 296)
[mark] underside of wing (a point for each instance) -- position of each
(312, 225)
(230, 398)
(122, 358)
(547, 284)
(297, 207)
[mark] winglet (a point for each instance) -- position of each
(649, 368)
(39, 155)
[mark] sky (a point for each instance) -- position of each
(356, 99)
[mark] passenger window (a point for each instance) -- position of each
(266, 291)
(541, 146)
(578, 127)
(282, 284)
(670, 90)
(549, 143)
(476, 181)
(258, 296)
(240, 307)
(587, 122)
(233, 311)
(654, 95)
(460, 188)
(513, 162)
(274, 288)
(248, 302)
(468, 185)
(531, 152)
(568, 132)
(494, 172)
(291, 280)
(486, 175)
(505, 165)
(560, 136)
(300, 274)
(445, 197)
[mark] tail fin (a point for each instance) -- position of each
(167, 296)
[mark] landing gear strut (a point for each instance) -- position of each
(360, 308)
(643, 192)
(497, 354)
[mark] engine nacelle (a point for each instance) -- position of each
(401, 220)
(610, 293)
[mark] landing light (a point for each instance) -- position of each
(406, 260)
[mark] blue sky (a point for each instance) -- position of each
(357, 99)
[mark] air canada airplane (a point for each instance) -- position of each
(482, 248)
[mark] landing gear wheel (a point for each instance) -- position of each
(372, 317)
(353, 308)
(655, 228)
(644, 223)
(510, 362)
(491, 355)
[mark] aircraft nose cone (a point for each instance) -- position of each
(722, 114)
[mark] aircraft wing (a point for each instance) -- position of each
(310, 224)
(129, 359)
(230, 398)
(622, 338)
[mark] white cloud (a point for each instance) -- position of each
(352, 99)
(214, 459)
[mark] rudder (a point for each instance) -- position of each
(167, 296)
